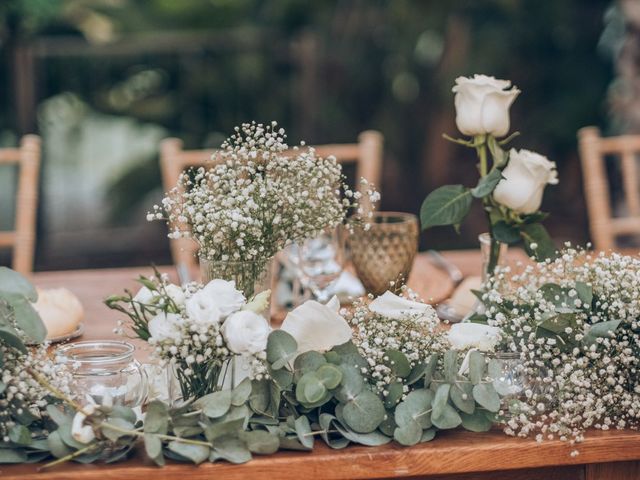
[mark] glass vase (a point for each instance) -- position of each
(194, 381)
(508, 374)
(485, 250)
(383, 254)
(251, 278)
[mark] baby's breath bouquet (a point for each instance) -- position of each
(575, 323)
(197, 330)
(256, 197)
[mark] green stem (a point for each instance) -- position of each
(69, 457)
(481, 142)
(136, 433)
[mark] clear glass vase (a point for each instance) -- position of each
(508, 374)
(201, 380)
(485, 250)
(251, 278)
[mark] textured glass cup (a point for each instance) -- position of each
(105, 368)
(383, 254)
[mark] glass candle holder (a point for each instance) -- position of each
(508, 374)
(105, 368)
(383, 254)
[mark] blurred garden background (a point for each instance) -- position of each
(103, 81)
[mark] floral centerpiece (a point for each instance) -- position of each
(574, 322)
(197, 330)
(511, 182)
(255, 198)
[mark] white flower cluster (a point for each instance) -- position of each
(258, 196)
(22, 399)
(199, 328)
(394, 323)
(576, 323)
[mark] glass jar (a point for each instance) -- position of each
(485, 250)
(508, 374)
(105, 368)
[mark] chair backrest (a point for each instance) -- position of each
(594, 149)
(23, 237)
(366, 155)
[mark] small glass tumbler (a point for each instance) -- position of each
(508, 374)
(105, 369)
(383, 254)
(485, 250)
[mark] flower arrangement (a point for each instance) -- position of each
(511, 182)
(574, 322)
(258, 196)
(197, 330)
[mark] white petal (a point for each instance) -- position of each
(397, 308)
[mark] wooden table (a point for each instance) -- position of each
(453, 455)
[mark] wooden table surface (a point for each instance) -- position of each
(459, 455)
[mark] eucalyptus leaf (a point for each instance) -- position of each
(329, 375)
(485, 394)
(8, 455)
(111, 433)
(28, 320)
(364, 413)
(350, 355)
(585, 293)
(20, 435)
(260, 441)
(196, 453)
(57, 447)
(156, 419)
(477, 367)
(415, 408)
(394, 394)
(428, 435)
(327, 424)
(398, 363)
(241, 393)
(372, 439)
(215, 404)
(260, 396)
(10, 337)
(447, 205)
(283, 378)
(15, 283)
(440, 399)
(476, 422)
(451, 365)
(409, 434)
(281, 347)
(461, 395)
(308, 362)
(57, 415)
(232, 450)
(601, 330)
(152, 445)
(303, 431)
(448, 418)
(351, 385)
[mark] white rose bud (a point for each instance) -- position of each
(145, 296)
(482, 105)
(246, 332)
(473, 335)
(259, 303)
(525, 177)
(225, 295)
(176, 294)
(79, 431)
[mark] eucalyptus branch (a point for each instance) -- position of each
(70, 457)
(161, 436)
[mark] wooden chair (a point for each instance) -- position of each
(22, 239)
(366, 155)
(605, 228)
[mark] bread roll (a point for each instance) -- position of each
(60, 310)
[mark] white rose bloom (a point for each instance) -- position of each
(79, 431)
(473, 335)
(202, 308)
(176, 294)
(246, 332)
(395, 307)
(316, 326)
(259, 303)
(482, 105)
(225, 295)
(145, 296)
(165, 326)
(525, 177)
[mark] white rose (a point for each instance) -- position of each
(482, 105)
(226, 296)
(525, 177)
(144, 296)
(392, 306)
(246, 332)
(473, 335)
(165, 326)
(175, 293)
(316, 326)
(259, 303)
(79, 431)
(203, 308)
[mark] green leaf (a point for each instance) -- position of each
(485, 394)
(428, 435)
(156, 419)
(448, 418)
(476, 422)
(447, 205)
(537, 234)
(487, 184)
(329, 375)
(281, 347)
(601, 330)
(303, 431)
(196, 453)
(409, 434)
(372, 439)
(19, 434)
(398, 363)
(388, 425)
(58, 416)
(394, 394)
(440, 399)
(56, 446)
(429, 371)
(461, 395)
(9, 336)
(8, 455)
(327, 424)
(14, 283)
(308, 362)
(364, 413)
(261, 442)
(477, 367)
(152, 445)
(232, 450)
(500, 157)
(417, 372)
(310, 389)
(111, 433)
(415, 409)
(283, 378)
(585, 293)
(65, 434)
(558, 323)
(350, 355)
(215, 404)
(505, 233)
(28, 320)
(241, 393)
(352, 384)
(451, 365)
